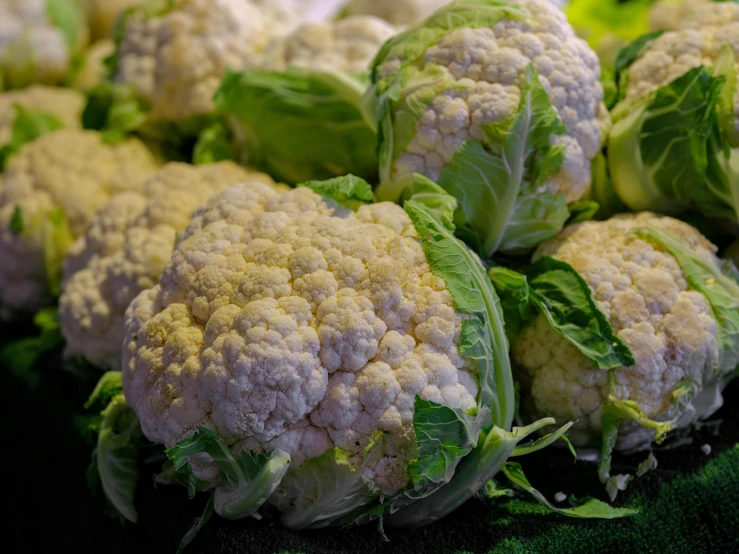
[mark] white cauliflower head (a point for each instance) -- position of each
(68, 174)
(38, 40)
(467, 70)
(124, 252)
(176, 60)
(347, 45)
(284, 322)
(64, 104)
(642, 291)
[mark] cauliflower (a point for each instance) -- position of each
(176, 60)
(38, 41)
(464, 75)
(64, 104)
(347, 45)
(671, 15)
(101, 15)
(299, 332)
(51, 190)
(290, 14)
(397, 12)
(662, 307)
(674, 142)
(124, 251)
(93, 70)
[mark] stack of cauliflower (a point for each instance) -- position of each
(344, 351)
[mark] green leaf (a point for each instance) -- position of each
(423, 190)
(582, 210)
(300, 124)
(115, 110)
(348, 191)
(109, 386)
(250, 478)
(496, 183)
(546, 440)
(610, 88)
(483, 336)
(561, 295)
(70, 19)
(16, 221)
(329, 490)
(592, 508)
(602, 191)
(720, 291)
(725, 66)
(565, 299)
(57, 238)
(198, 524)
(20, 357)
(117, 455)
(28, 125)
(214, 144)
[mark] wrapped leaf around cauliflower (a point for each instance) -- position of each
(353, 362)
(124, 252)
(483, 93)
(52, 188)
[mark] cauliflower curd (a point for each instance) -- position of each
(284, 322)
(124, 251)
(642, 291)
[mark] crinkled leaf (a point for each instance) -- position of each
(496, 183)
(592, 508)
(117, 455)
(720, 291)
(300, 124)
(483, 336)
(515, 299)
(423, 190)
(546, 440)
(582, 210)
(250, 478)
(28, 125)
(347, 191)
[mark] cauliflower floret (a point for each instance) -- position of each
(101, 15)
(698, 42)
(641, 290)
(64, 104)
(347, 45)
(71, 170)
(33, 47)
(124, 252)
(176, 61)
(481, 73)
(284, 322)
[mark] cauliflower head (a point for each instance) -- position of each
(64, 104)
(641, 289)
(284, 322)
(347, 45)
(38, 41)
(52, 188)
(465, 68)
(176, 60)
(125, 250)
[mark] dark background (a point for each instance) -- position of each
(53, 510)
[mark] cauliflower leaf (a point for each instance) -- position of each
(348, 191)
(300, 124)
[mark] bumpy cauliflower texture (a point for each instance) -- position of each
(347, 45)
(69, 169)
(32, 48)
(642, 292)
(484, 71)
(125, 250)
(176, 61)
(698, 42)
(64, 104)
(284, 322)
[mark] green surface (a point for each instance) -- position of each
(690, 502)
